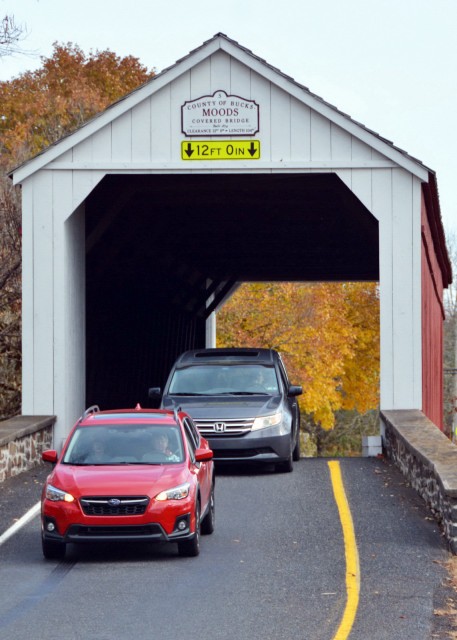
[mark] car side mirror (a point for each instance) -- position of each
(50, 455)
(295, 390)
(155, 393)
(203, 455)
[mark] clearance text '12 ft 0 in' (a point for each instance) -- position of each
(220, 150)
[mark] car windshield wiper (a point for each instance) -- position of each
(188, 393)
(244, 393)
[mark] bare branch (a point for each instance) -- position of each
(11, 34)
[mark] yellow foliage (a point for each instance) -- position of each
(327, 333)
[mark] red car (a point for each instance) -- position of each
(134, 475)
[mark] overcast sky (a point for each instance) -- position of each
(389, 64)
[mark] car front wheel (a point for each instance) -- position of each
(53, 550)
(209, 520)
(191, 548)
(286, 466)
(296, 453)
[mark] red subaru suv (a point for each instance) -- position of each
(133, 475)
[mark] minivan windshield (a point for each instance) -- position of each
(217, 379)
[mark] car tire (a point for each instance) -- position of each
(191, 548)
(209, 520)
(286, 466)
(53, 550)
(296, 452)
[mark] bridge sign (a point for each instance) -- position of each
(220, 150)
(220, 115)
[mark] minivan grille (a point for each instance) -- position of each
(229, 427)
(114, 505)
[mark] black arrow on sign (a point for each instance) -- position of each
(189, 151)
(252, 149)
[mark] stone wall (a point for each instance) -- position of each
(22, 440)
(428, 459)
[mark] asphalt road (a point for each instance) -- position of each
(274, 567)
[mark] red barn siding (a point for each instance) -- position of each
(432, 326)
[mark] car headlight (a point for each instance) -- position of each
(263, 422)
(177, 493)
(57, 495)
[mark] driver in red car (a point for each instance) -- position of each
(161, 446)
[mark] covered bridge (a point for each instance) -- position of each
(219, 170)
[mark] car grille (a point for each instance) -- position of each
(114, 505)
(231, 427)
(230, 454)
(149, 531)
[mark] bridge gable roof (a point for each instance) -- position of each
(246, 57)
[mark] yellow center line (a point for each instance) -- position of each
(351, 553)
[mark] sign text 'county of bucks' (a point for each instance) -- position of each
(220, 115)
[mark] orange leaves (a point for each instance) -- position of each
(36, 109)
(39, 107)
(328, 333)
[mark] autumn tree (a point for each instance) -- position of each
(328, 334)
(41, 106)
(36, 109)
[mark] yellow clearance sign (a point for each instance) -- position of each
(220, 150)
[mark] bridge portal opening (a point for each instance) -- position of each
(162, 250)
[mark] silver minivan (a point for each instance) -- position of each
(242, 402)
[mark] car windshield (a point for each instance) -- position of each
(220, 379)
(125, 444)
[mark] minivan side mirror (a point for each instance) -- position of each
(295, 390)
(155, 393)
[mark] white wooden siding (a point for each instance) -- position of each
(142, 134)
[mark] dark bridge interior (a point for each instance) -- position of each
(163, 251)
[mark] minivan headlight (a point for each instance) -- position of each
(177, 493)
(262, 422)
(57, 495)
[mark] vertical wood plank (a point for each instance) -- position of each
(180, 92)
(406, 315)
(417, 291)
(122, 138)
(320, 137)
(220, 71)
(280, 125)
(300, 126)
(102, 145)
(161, 126)
(141, 132)
(200, 79)
(361, 186)
(261, 90)
(360, 150)
(83, 182)
(43, 294)
(28, 367)
(82, 152)
(341, 143)
(69, 308)
(382, 210)
(240, 80)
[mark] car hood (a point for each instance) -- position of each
(225, 406)
(120, 480)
